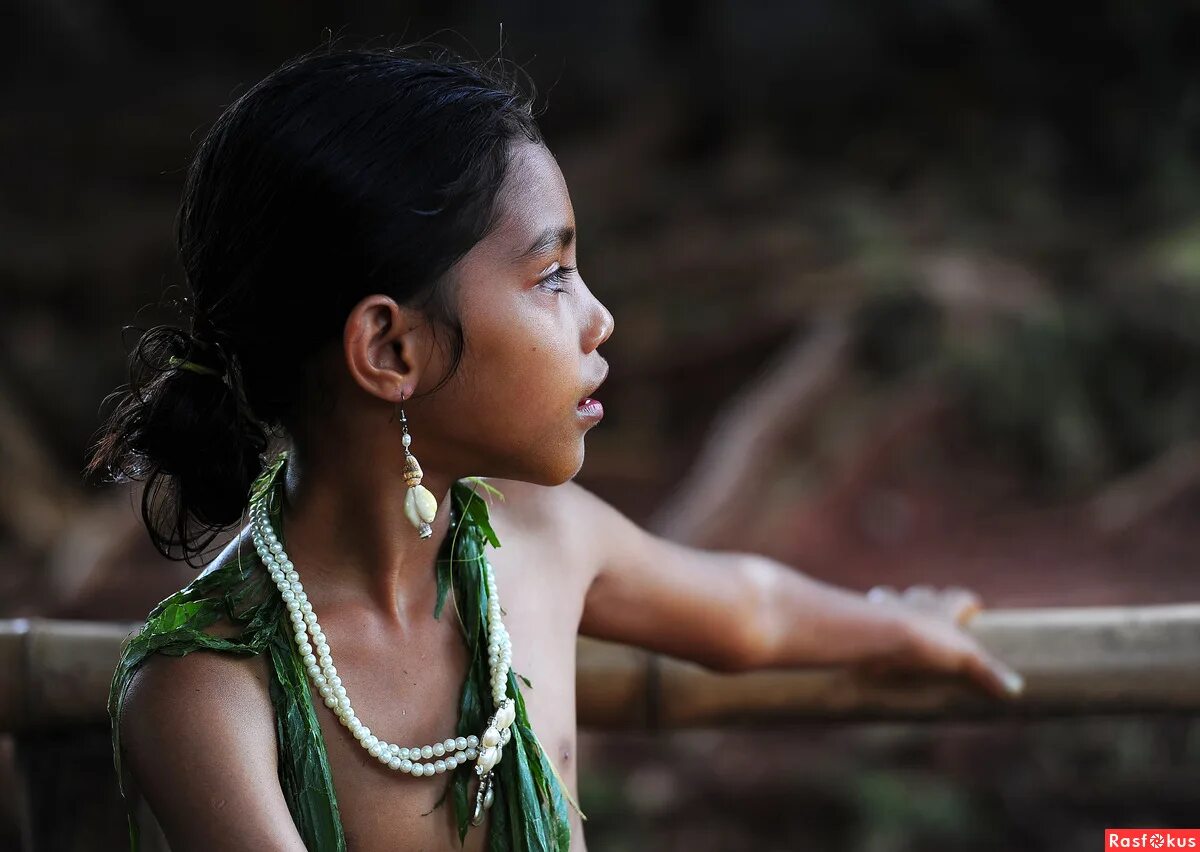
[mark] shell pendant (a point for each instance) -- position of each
(419, 503)
(483, 798)
(421, 508)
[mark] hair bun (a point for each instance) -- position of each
(190, 438)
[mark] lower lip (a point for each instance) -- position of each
(590, 410)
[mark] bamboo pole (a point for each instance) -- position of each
(1076, 661)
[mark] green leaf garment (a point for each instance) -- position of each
(528, 813)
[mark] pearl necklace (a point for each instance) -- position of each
(313, 646)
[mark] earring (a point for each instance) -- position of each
(419, 503)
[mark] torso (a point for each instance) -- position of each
(408, 691)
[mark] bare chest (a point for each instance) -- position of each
(409, 695)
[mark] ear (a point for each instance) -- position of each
(386, 346)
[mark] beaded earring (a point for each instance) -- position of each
(419, 504)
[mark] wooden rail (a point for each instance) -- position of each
(1077, 661)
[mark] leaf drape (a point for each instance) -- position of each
(528, 814)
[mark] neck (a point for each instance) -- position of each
(350, 539)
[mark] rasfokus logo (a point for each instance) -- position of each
(1152, 838)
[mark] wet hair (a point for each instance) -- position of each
(341, 174)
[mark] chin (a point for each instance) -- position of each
(556, 471)
(542, 461)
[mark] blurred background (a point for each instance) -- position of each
(904, 293)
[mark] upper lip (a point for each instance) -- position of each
(596, 386)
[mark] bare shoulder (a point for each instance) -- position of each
(198, 738)
(563, 518)
(175, 694)
(189, 695)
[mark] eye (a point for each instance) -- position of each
(560, 275)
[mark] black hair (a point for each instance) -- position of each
(342, 173)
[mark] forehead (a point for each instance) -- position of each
(533, 199)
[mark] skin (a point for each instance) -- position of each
(569, 563)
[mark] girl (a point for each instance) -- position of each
(387, 308)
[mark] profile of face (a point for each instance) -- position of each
(532, 329)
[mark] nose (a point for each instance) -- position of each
(602, 325)
(600, 322)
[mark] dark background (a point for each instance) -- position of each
(997, 203)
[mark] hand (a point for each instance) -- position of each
(932, 621)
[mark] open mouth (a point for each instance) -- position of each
(590, 407)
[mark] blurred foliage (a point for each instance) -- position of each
(1076, 392)
(1049, 785)
(916, 809)
(1090, 391)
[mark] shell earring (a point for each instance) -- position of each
(419, 504)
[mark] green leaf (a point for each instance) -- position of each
(176, 614)
(443, 585)
(483, 483)
(476, 513)
(527, 815)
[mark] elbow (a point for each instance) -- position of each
(731, 659)
(743, 652)
(753, 638)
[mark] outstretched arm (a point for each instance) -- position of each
(735, 611)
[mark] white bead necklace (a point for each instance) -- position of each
(486, 750)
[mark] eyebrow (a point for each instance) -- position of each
(549, 239)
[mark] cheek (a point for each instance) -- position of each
(529, 346)
(537, 375)
(521, 366)
(514, 411)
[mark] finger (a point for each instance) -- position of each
(924, 599)
(960, 605)
(882, 594)
(920, 596)
(995, 676)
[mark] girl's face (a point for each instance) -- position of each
(532, 329)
